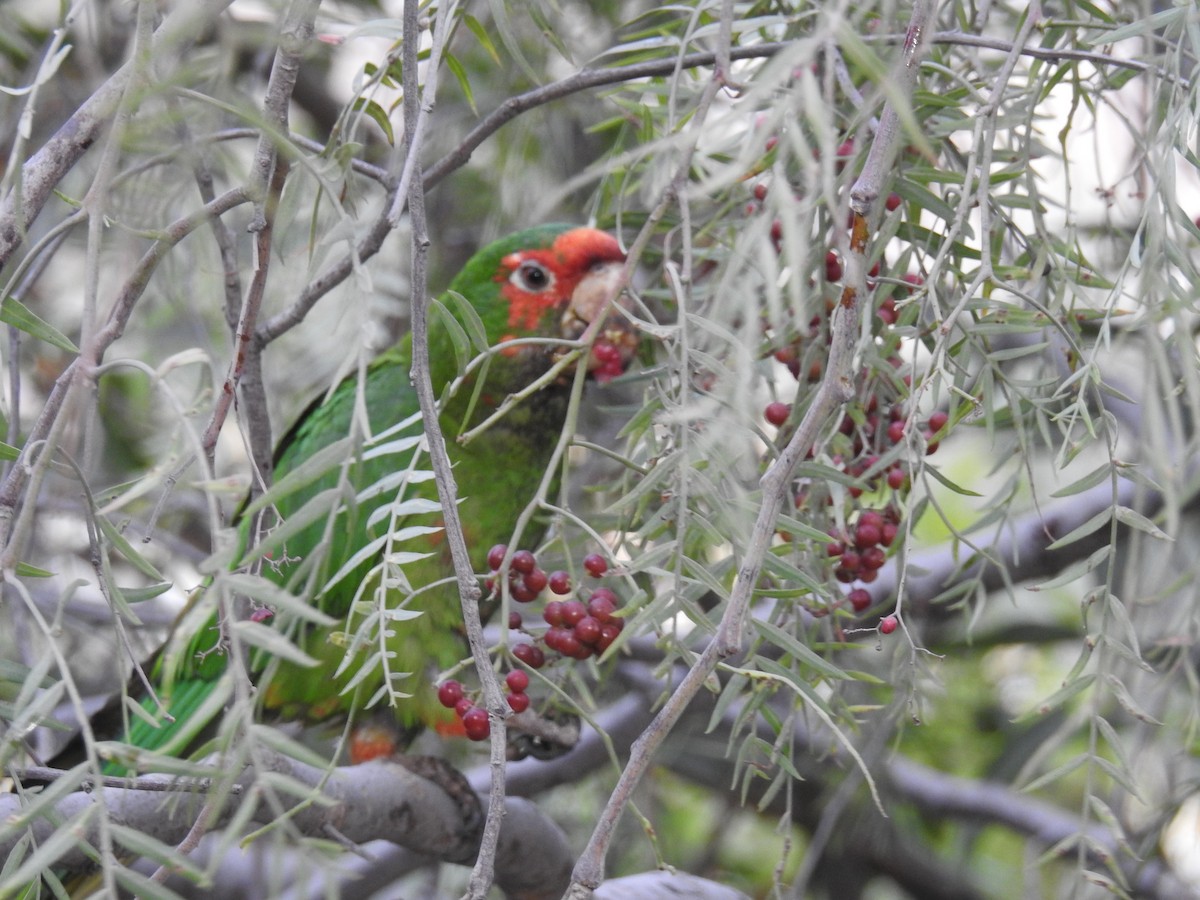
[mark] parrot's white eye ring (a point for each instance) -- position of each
(532, 276)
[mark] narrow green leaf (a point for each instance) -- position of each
(482, 36)
(25, 570)
(464, 82)
(1058, 698)
(1097, 476)
(377, 114)
(942, 479)
(1075, 572)
(15, 313)
(1135, 519)
(272, 641)
(125, 548)
(149, 592)
(1099, 520)
(797, 649)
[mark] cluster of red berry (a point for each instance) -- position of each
(861, 554)
(476, 724)
(607, 362)
(577, 629)
(875, 424)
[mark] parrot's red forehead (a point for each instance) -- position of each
(568, 259)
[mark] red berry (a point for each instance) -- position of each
(895, 431)
(787, 355)
(844, 575)
(463, 705)
(771, 142)
(859, 598)
(866, 535)
(776, 233)
(844, 153)
(893, 201)
(760, 192)
(601, 605)
(937, 421)
(530, 654)
(871, 517)
(514, 620)
(888, 533)
(555, 637)
(572, 612)
(866, 576)
(536, 580)
(896, 479)
(521, 592)
(560, 582)
(518, 702)
(851, 561)
(569, 645)
(887, 624)
(476, 724)
(553, 613)
(833, 267)
(605, 352)
(517, 681)
(523, 561)
(887, 311)
(449, 693)
(262, 614)
(915, 280)
(777, 412)
(496, 556)
(874, 558)
(608, 634)
(587, 630)
(595, 564)
(836, 548)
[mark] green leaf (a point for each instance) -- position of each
(458, 335)
(942, 479)
(141, 594)
(1135, 519)
(1058, 698)
(125, 548)
(1073, 573)
(25, 570)
(482, 36)
(464, 83)
(270, 594)
(1099, 520)
(272, 641)
(8, 452)
(797, 650)
(312, 469)
(379, 115)
(1097, 476)
(15, 313)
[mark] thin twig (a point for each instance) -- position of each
(468, 587)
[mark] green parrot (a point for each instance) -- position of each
(359, 531)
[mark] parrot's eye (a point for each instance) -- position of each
(532, 276)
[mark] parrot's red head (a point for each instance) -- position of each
(555, 281)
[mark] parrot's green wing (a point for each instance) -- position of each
(368, 603)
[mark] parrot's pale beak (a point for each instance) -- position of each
(597, 299)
